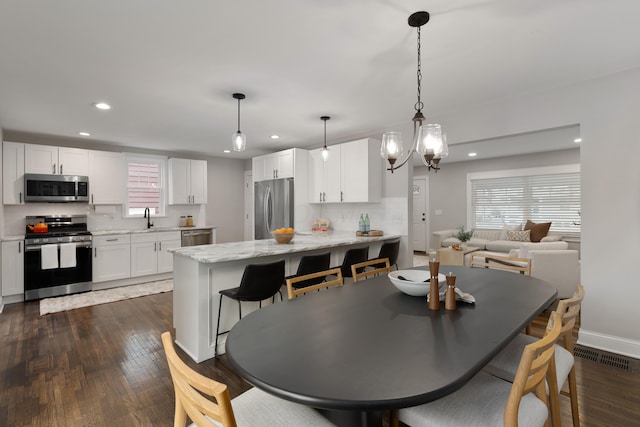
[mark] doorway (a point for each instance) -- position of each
(420, 190)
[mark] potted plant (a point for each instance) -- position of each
(464, 236)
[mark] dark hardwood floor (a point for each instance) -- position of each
(104, 365)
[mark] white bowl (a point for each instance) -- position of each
(414, 284)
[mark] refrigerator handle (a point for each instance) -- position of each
(267, 211)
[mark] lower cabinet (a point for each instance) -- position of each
(12, 268)
(149, 252)
(111, 257)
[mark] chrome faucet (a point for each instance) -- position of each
(147, 214)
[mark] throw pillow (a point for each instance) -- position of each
(538, 231)
(506, 228)
(552, 238)
(519, 236)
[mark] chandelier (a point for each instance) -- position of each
(428, 140)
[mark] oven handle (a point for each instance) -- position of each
(39, 247)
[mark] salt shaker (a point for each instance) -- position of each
(450, 296)
(434, 291)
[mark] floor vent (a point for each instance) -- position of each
(610, 359)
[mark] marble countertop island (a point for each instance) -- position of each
(201, 272)
(259, 248)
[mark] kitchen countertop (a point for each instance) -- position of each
(148, 230)
(258, 248)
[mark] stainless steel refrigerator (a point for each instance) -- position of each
(273, 206)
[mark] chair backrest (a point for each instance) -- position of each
(293, 292)
(569, 309)
(261, 281)
(376, 263)
(191, 390)
(390, 250)
(532, 370)
(501, 262)
(353, 256)
(312, 264)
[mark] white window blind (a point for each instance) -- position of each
(145, 186)
(515, 199)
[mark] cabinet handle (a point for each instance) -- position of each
(95, 252)
(112, 240)
(19, 247)
(155, 247)
(20, 197)
(160, 246)
(60, 169)
(54, 168)
(324, 197)
(341, 196)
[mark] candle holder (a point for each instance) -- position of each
(450, 296)
(434, 291)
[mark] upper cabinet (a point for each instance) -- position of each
(107, 178)
(12, 173)
(351, 174)
(187, 182)
(274, 166)
(48, 159)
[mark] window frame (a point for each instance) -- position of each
(162, 162)
(516, 173)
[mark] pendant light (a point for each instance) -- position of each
(239, 139)
(325, 150)
(428, 139)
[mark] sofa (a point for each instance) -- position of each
(491, 240)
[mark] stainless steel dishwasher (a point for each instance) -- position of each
(197, 237)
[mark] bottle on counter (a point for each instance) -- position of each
(361, 224)
(189, 221)
(367, 224)
(183, 221)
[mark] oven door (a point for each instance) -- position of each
(42, 282)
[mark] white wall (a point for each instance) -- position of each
(225, 198)
(607, 111)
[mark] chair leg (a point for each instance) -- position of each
(573, 390)
(239, 309)
(215, 349)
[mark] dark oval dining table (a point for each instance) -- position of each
(357, 350)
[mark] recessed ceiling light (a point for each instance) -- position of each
(84, 134)
(275, 137)
(227, 151)
(102, 106)
(472, 154)
(577, 140)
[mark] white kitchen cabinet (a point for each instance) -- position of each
(107, 178)
(149, 252)
(324, 176)
(12, 268)
(111, 257)
(187, 182)
(274, 166)
(13, 173)
(47, 159)
(351, 174)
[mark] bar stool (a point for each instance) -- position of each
(259, 282)
(389, 250)
(311, 264)
(353, 256)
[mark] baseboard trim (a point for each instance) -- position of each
(610, 343)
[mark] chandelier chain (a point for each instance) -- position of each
(419, 104)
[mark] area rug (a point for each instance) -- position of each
(69, 302)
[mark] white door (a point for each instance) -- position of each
(420, 192)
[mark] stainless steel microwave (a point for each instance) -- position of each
(55, 188)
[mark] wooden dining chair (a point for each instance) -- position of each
(194, 393)
(294, 291)
(501, 262)
(504, 365)
(490, 401)
(359, 270)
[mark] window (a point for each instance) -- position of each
(145, 185)
(537, 194)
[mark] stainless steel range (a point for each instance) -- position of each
(57, 257)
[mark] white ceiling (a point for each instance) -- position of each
(168, 68)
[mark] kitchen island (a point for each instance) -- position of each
(200, 272)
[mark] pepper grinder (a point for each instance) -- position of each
(434, 292)
(450, 297)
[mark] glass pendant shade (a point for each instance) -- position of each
(239, 141)
(325, 153)
(430, 140)
(391, 147)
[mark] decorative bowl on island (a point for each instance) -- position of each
(414, 282)
(283, 235)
